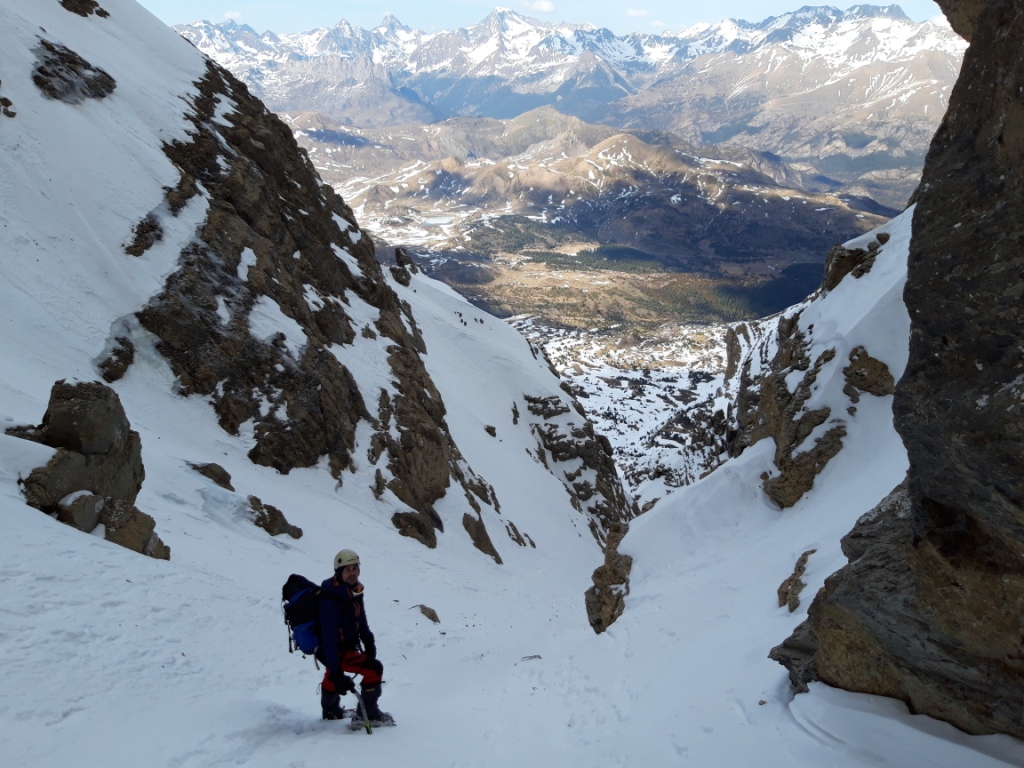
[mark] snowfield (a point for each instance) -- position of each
(113, 659)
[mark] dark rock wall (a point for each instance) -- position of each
(930, 609)
(960, 404)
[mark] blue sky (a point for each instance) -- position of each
(621, 16)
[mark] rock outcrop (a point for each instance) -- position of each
(215, 472)
(606, 600)
(62, 74)
(771, 376)
(930, 609)
(271, 519)
(96, 471)
(773, 379)
(790, 589)
(85, 8)
(582, 460)
(841, 262)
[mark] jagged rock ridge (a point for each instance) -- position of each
(771, 389)
(278, 242)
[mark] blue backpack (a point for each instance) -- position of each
(300, 601)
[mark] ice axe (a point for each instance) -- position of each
(361, 708)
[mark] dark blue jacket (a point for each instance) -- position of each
(343, 624)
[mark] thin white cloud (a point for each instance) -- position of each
(233, 15)
(637, 12)
(541, 6)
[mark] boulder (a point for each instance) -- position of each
(81, 510)
(866, 374)
(216, 473)
(97, 450)
(271, 519)
(126, 525)
(96, 472)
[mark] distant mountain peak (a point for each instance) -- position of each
(348, 27)
(392, 24)
(504, 19)
(502, 13)
(869, 11)
(231, 25)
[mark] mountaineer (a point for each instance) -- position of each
(347, 644)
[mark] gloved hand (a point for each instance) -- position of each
(342, 682)
(370, 649)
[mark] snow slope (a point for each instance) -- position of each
(110, 658)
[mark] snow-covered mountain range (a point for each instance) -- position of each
(172, 257)
(533, 54)
(855, 94)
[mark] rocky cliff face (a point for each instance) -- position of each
(930, 609)
(269, 301)
(773, 368)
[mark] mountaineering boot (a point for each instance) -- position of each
(330, 703)
(370, 694)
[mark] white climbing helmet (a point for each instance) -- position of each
(345, 557)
